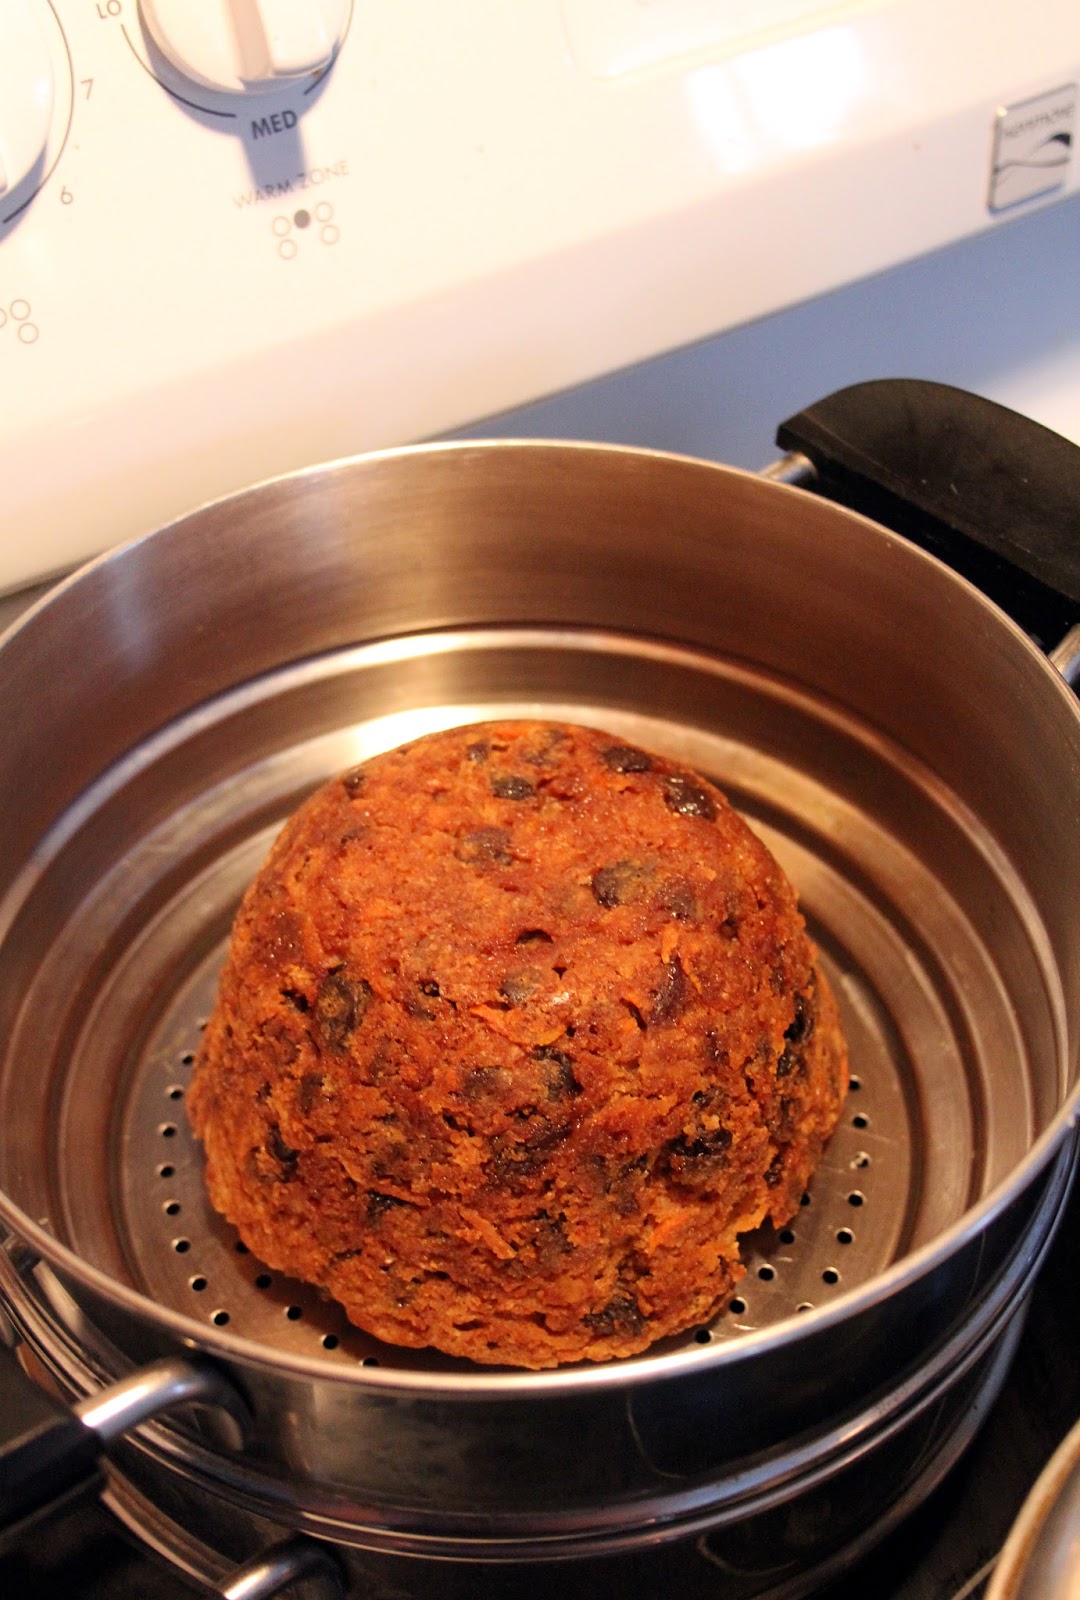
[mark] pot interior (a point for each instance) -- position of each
(207, 679)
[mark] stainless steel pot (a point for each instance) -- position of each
(907, 752)
(1041, 1557)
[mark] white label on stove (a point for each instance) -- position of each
(1033, 143)
(612, 37)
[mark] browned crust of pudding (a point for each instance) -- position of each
(520, 1028)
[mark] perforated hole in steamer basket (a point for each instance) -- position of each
(848, 1228)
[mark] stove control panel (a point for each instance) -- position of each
(613, 37)
(241, 236)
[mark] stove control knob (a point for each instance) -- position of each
(27, 92)
(246, 46)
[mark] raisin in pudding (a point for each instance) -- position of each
(519, 1030)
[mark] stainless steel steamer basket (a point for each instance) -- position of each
(777, 1524)
(906, 751)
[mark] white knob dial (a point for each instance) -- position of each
(27, 91)
(246, 46)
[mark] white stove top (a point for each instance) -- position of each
(226, 254)
(998, 313)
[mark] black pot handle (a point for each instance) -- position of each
(50, 1453)
(56, 1451)
(990, 492)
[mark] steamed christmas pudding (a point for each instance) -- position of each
(520, 1028)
